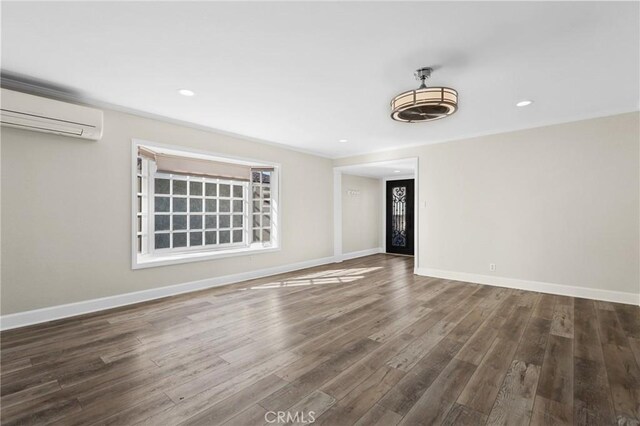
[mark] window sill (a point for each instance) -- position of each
(150, 261)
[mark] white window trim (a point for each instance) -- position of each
(149, 260)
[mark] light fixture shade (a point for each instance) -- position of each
(424, 103)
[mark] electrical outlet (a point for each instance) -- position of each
(492, 267)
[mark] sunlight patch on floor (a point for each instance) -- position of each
(333, 276)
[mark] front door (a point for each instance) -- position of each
(400, 216)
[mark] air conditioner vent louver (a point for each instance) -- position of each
(29, 112)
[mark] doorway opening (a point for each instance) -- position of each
(391, 218)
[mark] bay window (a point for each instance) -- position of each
(193, 206)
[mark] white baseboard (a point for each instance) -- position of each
(361, 253)
(542, 287)
(22, 319)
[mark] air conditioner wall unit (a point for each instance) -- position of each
(29, 112)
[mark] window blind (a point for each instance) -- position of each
(175, 164)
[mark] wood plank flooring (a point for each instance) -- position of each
(363, 342)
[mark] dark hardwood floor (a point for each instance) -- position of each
(361, 342)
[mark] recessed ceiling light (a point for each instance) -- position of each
(343, 141)
(186, 92)
(524, 103)
(396, 171)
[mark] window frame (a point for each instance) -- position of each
(152, 257)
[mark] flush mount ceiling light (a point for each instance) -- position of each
(186, 92)
(343, 141)
(524, 103)
(424, 103)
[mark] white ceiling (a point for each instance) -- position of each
(386, 169)
(308, 74)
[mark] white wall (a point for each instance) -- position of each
(361, 214)
(66, 208)
(556, 204)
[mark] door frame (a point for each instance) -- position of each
(337, 206)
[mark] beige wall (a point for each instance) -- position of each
(66, 208)
(556, 204)
(361, 214)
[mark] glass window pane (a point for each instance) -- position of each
(195, 204)
(162, 222)
(213, 228)
(139, 223)
(210, 237)
(195, 222)
(162, 186)
(195, 188)
(211, 189)
(210, 205)
(139, 179)
(162, 241)
(162, 204)
(179, 204)
(210, 221)
(180, 239)
(139, 165)
(140, 204)
(139, 243)
(180, 187)
(195, 239)
(179, 222)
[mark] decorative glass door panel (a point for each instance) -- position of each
(400, 202)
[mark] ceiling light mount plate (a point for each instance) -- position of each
(422, 74)
(424, 103)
